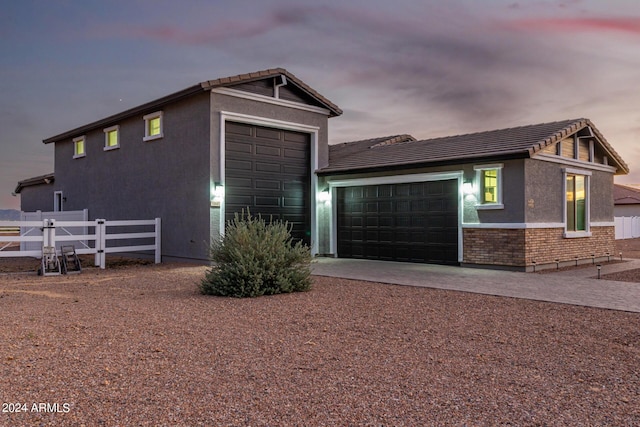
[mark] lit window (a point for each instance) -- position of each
(153, 126)
(111, 138)
(489, 178)
(490, 186)
(79, 147)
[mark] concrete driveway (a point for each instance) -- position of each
(578, 287)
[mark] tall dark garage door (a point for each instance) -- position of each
(415, 222)
(268, 170)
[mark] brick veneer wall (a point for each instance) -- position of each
(545, 245)
(494, 246)
(520, 247)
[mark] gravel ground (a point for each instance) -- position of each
(139, 346)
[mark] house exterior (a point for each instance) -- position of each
(258, 136)
(626, 199)
(511, 198)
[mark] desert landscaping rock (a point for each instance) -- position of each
(140, 346)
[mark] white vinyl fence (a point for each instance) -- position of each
(93, 237)
(627, 227)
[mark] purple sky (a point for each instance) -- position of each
(424, 67)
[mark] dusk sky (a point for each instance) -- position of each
(424, 67)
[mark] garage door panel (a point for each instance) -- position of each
(267, 133)
(267, 167)
(295, 154)
(241, 183)
(265, 150)
(294, 170)
(293, 202)
(239, 165)
(238, 147)
(263, 184)
(415, 222)
(237, 129)
(261, 201)
(403, 206)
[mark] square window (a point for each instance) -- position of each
(79, 147)
(489, 181)
(153, 126)
(112, 138)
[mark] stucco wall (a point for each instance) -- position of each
(544, 196)
(166, 178)
(37, 198)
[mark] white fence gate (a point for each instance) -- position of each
(57, 233)
(627, 227)
(82, 215)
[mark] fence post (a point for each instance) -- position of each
(45, 233)
(158, 250)
(52, 230)
(100, 243)
(96, 261)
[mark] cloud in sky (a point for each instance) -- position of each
(422, 67)
(555, 25)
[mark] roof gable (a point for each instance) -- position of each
(517, 142)
(278, 83)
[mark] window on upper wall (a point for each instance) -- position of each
(489, 181)
(112, 138)
(576, 203)
(153, 126)
(79, 147)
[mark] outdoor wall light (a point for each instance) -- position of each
(467, 188)
(217, 194)
(324, 196)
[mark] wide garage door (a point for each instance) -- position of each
(268, 170)
(415, 222)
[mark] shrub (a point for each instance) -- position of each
(257, 258)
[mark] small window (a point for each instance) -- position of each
(489, 179)
(490, 186)
(79, 147)
(112, 138)
(153, 126)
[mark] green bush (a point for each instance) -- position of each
(257, 258)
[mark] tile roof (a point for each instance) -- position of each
(626, 195)
(199, 88)
(523, 141)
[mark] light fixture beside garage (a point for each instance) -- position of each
(467, 188)
(324, 196)
(217, 194)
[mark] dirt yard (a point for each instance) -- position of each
(138, 345)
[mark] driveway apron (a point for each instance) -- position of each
(578, 286)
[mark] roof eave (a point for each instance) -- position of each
(421, 164)
(36, 180)
(141, 109)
